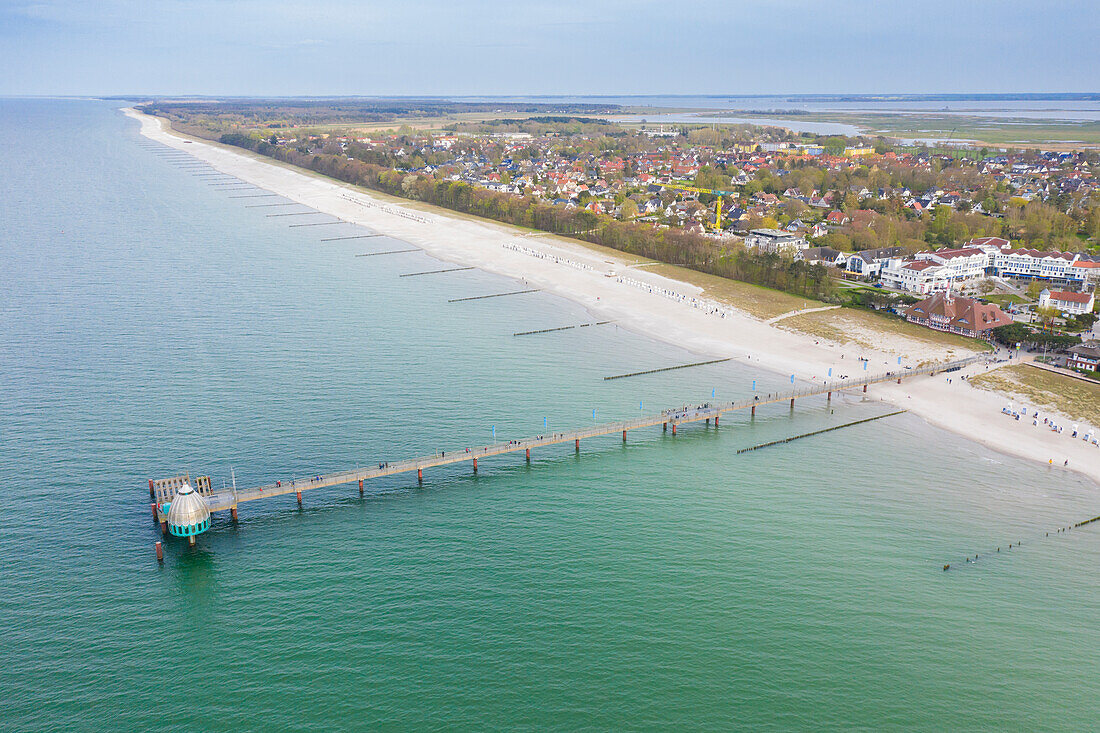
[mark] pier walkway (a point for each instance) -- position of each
(228, 499)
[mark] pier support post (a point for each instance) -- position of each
(164, 527)
(190, 540)
(152, 494)
(865, 388)
(154, 507)
(716, 421)
(792, 403)
(829, 397)
(708, 421)
(753, 413)
(360, 487)
(299, 494)
(664, 428)
(624, 436)
(674, 428)
(475, 465)
(528, 455)
(899, 380)
(577, 444)
(233, 513)
(420, 475)
(160, 551)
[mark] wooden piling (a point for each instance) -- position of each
(164, 527)
(674, 428)
(577, 444)
(360, 487)
(475, 465)
(152, 494)
(624, 436)
(160, 551)
(753, 413)
(420, 475)
(528, 455)
(792, 403)
(299, 493)
(233, 513)
(154, 507)
(865, 388)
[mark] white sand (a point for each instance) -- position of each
(578, 273)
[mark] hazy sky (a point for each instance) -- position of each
(270, 47)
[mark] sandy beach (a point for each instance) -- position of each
(660, 307)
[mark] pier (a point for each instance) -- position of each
(161, 491)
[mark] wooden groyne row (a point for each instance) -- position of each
(389, 252)
(817, 432)
(436, 272)
(561, 328)
(1018, 543)
(353, 236)
(667, 369)
(493, 295)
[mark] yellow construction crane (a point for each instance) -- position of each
(719, 194)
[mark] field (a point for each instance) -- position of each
(1007, 131)
(873, 330)
(1005, 299)
(1074, 398)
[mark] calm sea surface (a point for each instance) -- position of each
(150, 324)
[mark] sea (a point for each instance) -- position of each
(154, 322)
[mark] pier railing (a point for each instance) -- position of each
(228, 499)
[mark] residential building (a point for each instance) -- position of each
(964, 316)
(915, 276)
(959, 265)
(822, 255)
(1067, 302)
(774, 240)
(1084, 357)
(1034, 264)
(870, 262)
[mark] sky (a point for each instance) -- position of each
(519, 47)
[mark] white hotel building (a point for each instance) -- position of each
(944, 269)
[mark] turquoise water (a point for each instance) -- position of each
(151, 324)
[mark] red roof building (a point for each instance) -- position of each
(963, 316)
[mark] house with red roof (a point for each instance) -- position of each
(1067, 302)
(964, 316)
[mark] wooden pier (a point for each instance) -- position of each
(228, 499)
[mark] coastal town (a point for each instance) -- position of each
(993, 244)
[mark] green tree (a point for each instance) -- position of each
(835, 145)
(629, 210)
